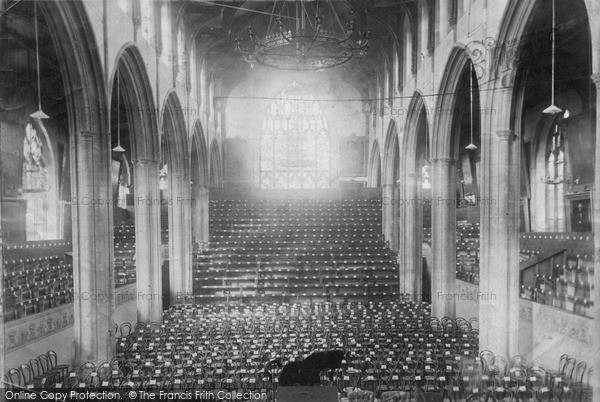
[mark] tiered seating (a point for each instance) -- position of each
(124, 236)
(569, 285)
(393, 350)
(37, 277)
(556, 268)
(560, 271)
(467, 252)
(286, 248)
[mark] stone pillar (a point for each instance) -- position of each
(596, 224)
(206, 216)
(443, 283)
(499, 263)
(411, 267)
(186, 213)
(395, 234)
(200, 214)
(180, 270)
(387, 211)
(93, 276)
(147, 241)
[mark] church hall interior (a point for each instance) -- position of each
(392, 200)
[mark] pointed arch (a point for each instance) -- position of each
(174, 135)
(175, 154)
(443, 142)
(417, 111)
(129, 72)
(199, 156)
(374, 174)
(84, 86)
(391, 155)
(215, 167)
(391, 170)
(408, 48)
(413, 275)
(141, 110)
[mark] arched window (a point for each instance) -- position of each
(295, 143)
(555, 173)
(426, 176)
(407, 50)
(39, 184)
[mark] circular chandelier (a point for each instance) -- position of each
(304, 35)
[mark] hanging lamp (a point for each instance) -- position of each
(553, 109)
(471, 146)
(118, 148)
(39, 114)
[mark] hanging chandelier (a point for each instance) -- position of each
(304, 35)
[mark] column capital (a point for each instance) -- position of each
(445, 161)
(596, 78)
(86, 135)
(146, 162)
(505, 135)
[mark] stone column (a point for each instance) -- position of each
(200, 214)
(206, 216)
(499, 263)
(180, 272)
(186, 213)
(596, 227)
(443, 283)
(410, 243)
(395, 235)
(386, 211)
(147, 241)
(93, 276)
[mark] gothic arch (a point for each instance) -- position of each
(415, 112)
(502, 166)
(391, 155)
(443, 143)
(141, 111)
(176, 155)
(174, 130)
(215, 167)
(391, 171)
(135, 88)
(374, 174)
(199, 156)
(411, 188)
(86, 102)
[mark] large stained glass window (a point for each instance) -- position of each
(39, 185)
(295, 143)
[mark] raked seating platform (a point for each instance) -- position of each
(297, 249)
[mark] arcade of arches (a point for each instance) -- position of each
(167, 165)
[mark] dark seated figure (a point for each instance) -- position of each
(306, 372)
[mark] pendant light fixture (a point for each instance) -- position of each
(553, 109)
(471, 146)
(39, 114)
(118, 148)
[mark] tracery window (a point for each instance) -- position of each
(295, 143)
(555, 169)
(426, 176)
(39, 185)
